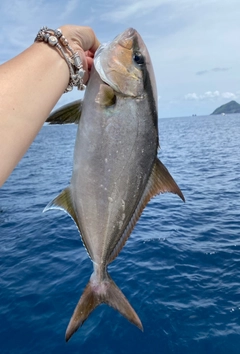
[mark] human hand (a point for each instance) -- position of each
(84, 41)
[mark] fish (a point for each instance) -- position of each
(116, 170)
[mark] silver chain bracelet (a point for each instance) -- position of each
(56, 39)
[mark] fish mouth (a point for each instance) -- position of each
(125, 39)
(129, 32)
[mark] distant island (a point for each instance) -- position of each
(228, 108)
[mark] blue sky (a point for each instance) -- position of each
(194, 45)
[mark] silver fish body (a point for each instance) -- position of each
(116, 170)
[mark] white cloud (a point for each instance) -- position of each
(139, 8)
(210, 95)
(229, 95)
(70, 7)
(207, 95)
(191, 97)
(135, 8)
(184, 38)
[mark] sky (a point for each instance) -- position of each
(194, 44)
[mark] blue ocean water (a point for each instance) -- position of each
(180, 269)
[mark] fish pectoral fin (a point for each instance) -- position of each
(162, 181)
(70, 113)
(95, 294)
(63, 202)
(106, 96)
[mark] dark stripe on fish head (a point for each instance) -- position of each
(142, 59)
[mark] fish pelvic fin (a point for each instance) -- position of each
(96, 293)
(106, 96)
(69, 113)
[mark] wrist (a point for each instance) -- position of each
(76, 35)
(71, 32)
(57, 41)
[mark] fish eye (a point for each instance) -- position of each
(138, 58)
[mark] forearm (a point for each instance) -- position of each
(31, 84)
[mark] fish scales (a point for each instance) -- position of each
(119, 151)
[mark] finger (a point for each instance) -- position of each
(89, 63)
(89, 54)
(88, 39)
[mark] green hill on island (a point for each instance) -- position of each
(228, 108)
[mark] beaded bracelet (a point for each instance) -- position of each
(56, 39)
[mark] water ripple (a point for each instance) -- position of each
(179, 269)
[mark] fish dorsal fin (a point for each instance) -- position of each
(106, 96)
(70, 113)
(63, 202)
(160, 181)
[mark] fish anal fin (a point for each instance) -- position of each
(96, 293)
(160, 181)
(106, 96)
(64, 202)
(69, 113)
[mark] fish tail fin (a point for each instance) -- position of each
(95, 294)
